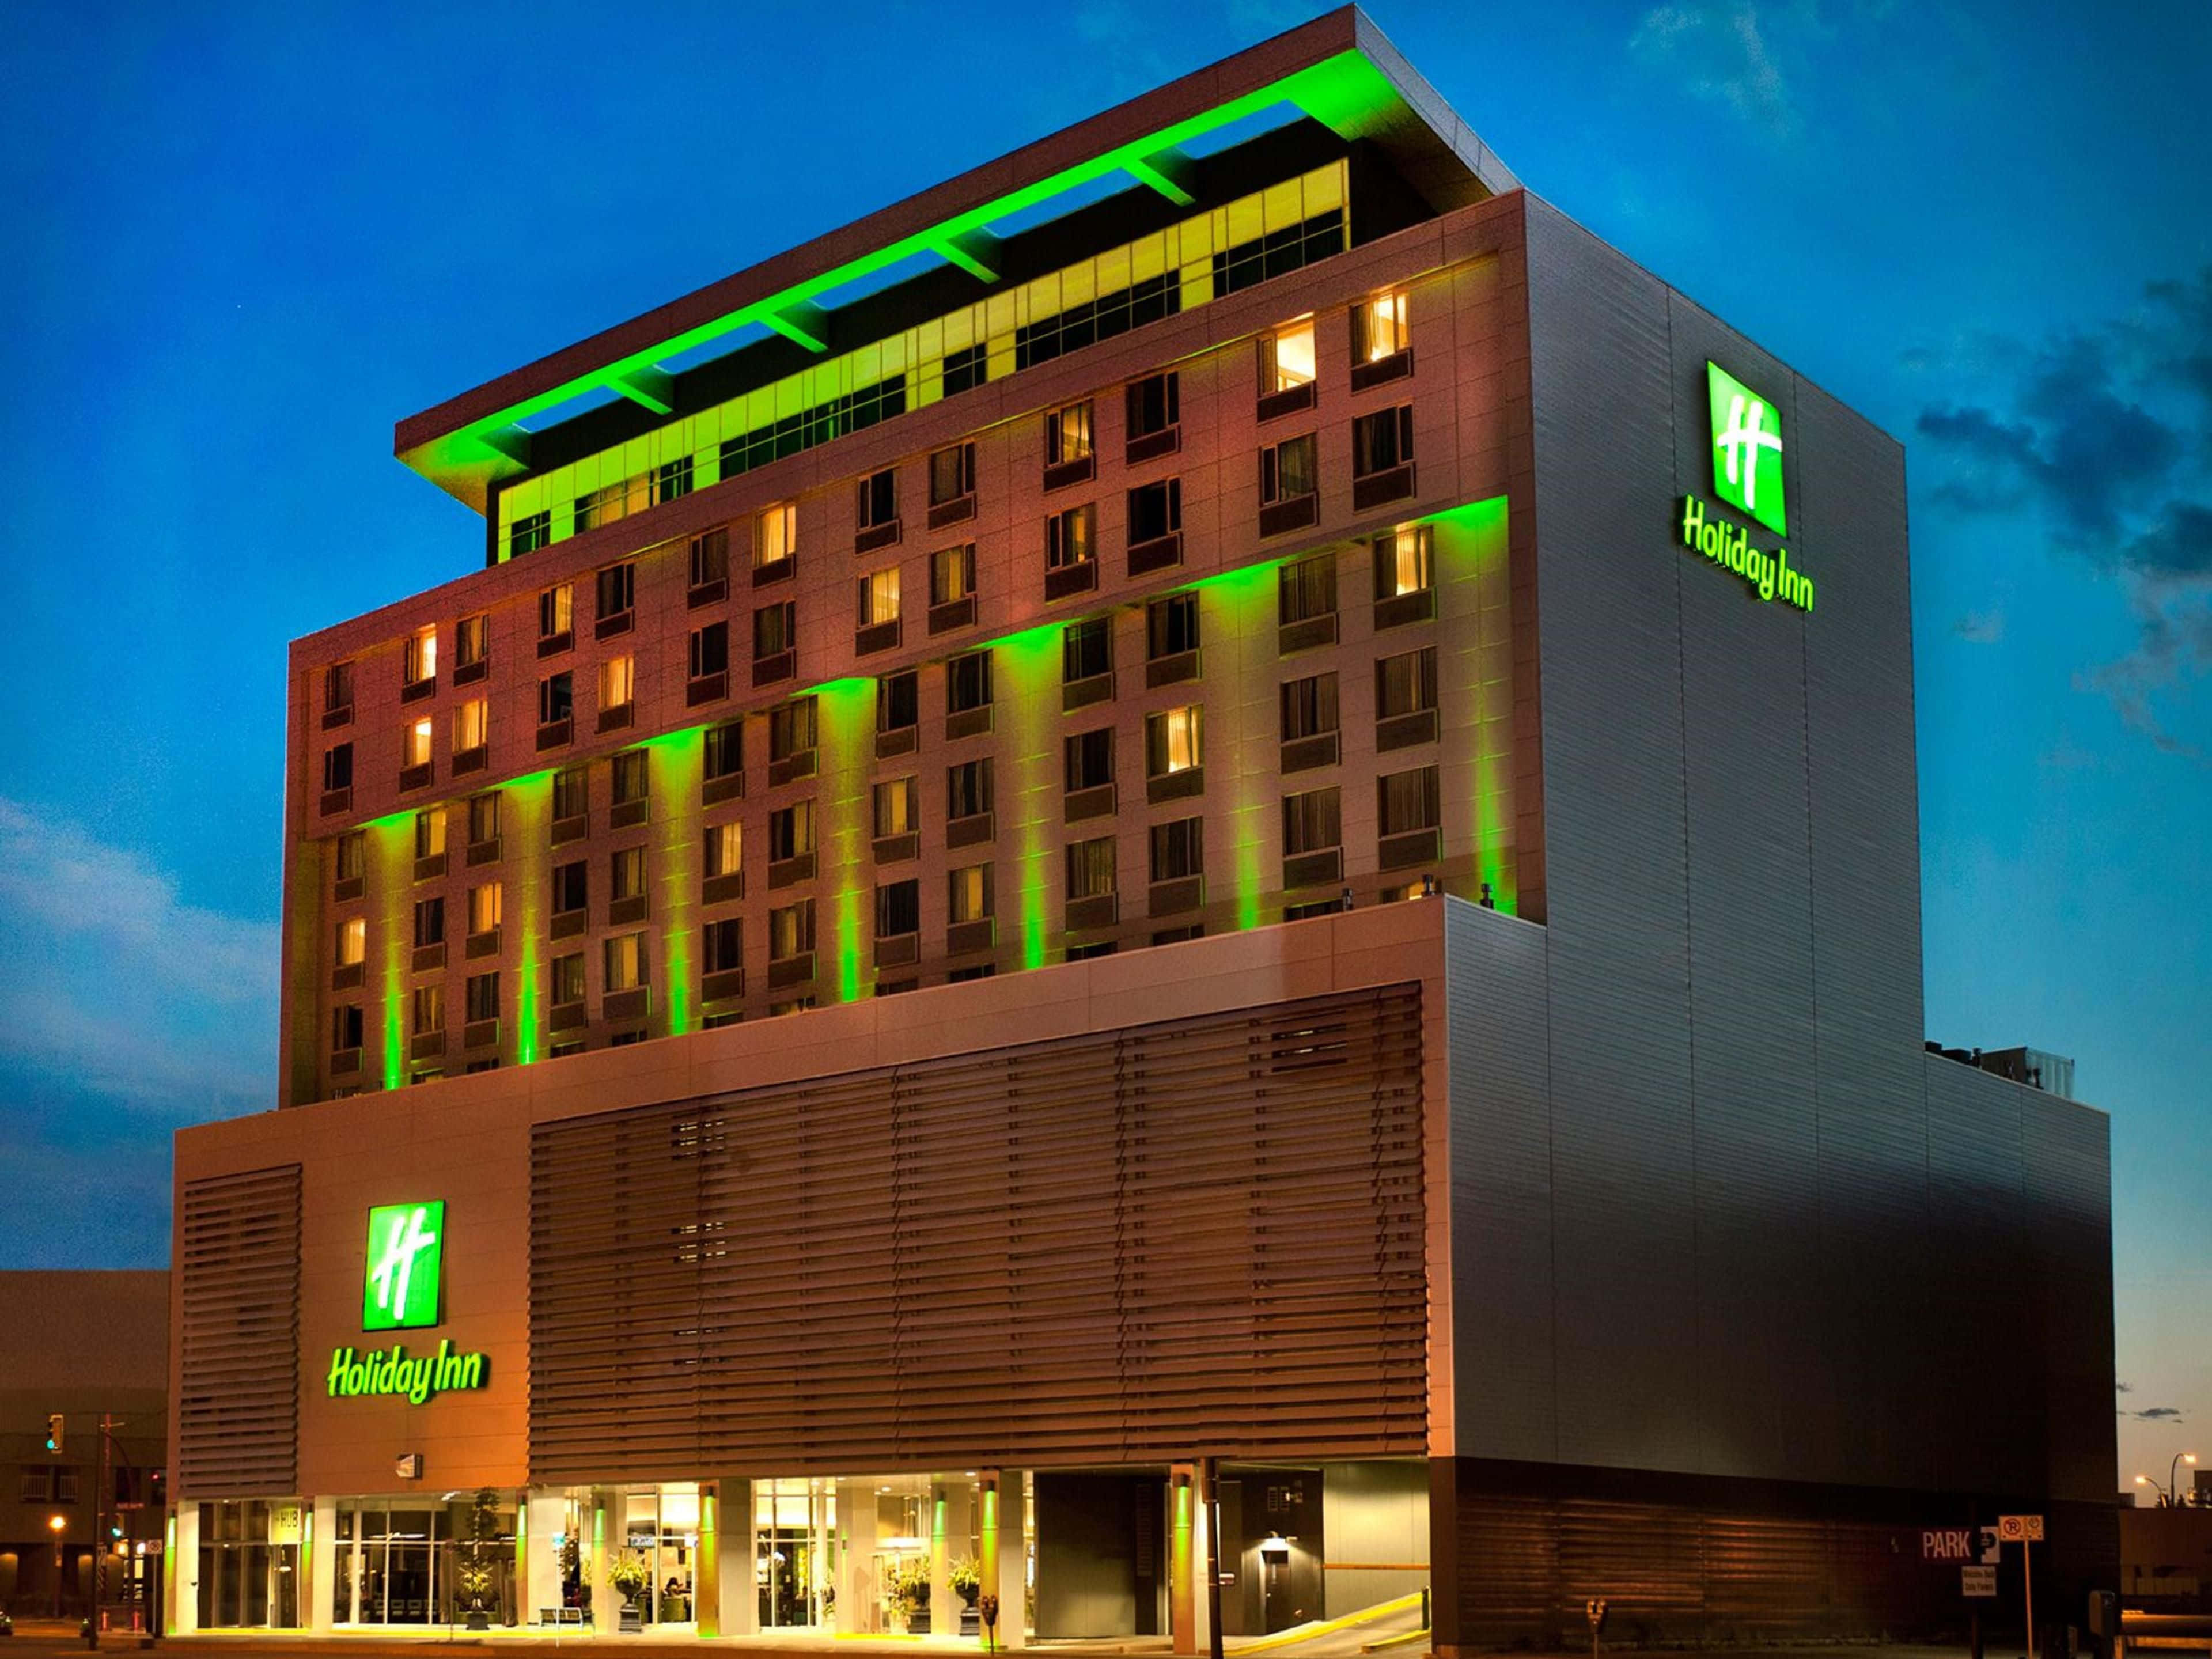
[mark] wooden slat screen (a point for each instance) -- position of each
(238, 1418)
(1198, 1238)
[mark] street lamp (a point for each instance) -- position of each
(2172, 1491)
(57, 1524)
(2145, 1480)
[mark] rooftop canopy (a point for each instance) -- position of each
(1337, 70)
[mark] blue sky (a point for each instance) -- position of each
(245, 242)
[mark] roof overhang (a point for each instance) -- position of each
(1338, 69)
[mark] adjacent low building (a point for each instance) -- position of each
(1207, 842)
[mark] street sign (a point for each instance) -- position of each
(1977, 1581)
(2020, 1529)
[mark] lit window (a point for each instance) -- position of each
(627, 874)
(725, 849)
(557, 611)
(429, 1010)
(624, 963)
(778, 536)
(353, 941)
(430, 833)
(971, 893)
(1402, 564)
(1067, 434)
(1069, 537)
(895, 802)
(484, 907)
(879, 598)
(472, 725)
(422, 655)
(1171, 741)
(416, 741)
(1378, 328)
(617, 681)
(1286, 357)
(952, 573)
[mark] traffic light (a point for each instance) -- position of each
(54, 1431)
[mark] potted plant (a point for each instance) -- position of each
(966, 1576)
(475, 1576)
(628, 1577)
(906, 1583)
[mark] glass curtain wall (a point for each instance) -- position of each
(795, 1553)
(250, 1566)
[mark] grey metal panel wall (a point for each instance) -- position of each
(1499, 1067)
(2068, 1154)
(1616, 859)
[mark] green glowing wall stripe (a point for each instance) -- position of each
(392, 847)
(528, 809)
(845, 714)
(1025, 680)
(1346, 93)
(1236, 632)
(678, 762)
(1475, 683)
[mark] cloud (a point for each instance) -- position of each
(2158, 1414)
(1722, 53)
(1980, 627)
(2103, 435)
(2123, 1388)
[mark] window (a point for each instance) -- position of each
(1069, 537)
(1309, 707)
(710, 650)
(1087, 759)
(1171, 626)
(572, 793)
(472, 726)
(724, 852)
(775, 629)
(1378, 328)
(1406, 801)
(353, 941)
(968, 681)
(775, 537)
(1406, 684)
(952, 474)
(338, 687)
(422, 655)
(790, 831)
(1312, 822)
(529, 533)
(572, 888)
(624, 963)
(877, 499)
(897, 807)
(617, 683)
(625, 874)
(710, 557)
(791, 931)
(952, 573)
(471, 641)
(482, 995)
(726, 750)
(1104, 947)
(723, 944)
(1091, 868)
(556, 698)
(790, 730)
(618, 586)
(1155, 510)
(604, 506)
(963, 975)
(569, 979)
(429, 1012)
(631, 776)
(483, 818)
(1402, 562)
(414, 741)
(898, 702)
(345, 1029)
(430, 833)
(1155, 404)
(1382, 441)
(484, 907)
(353, 856)
(969, 367)
(1178, 849)
(898, 908)
(1171, 741)
(557, 611)
(971, 894)
(1306, 589)
(1287, 469)
(1086, 650)
(338, 767)
(1067, 434)
(968, 789)
(1287, 358)
(673, 479)
(878, 598)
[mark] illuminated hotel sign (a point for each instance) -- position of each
(1746, 434)
(400, 1292)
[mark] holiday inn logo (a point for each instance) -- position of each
(1746, 450)
(406, 1250)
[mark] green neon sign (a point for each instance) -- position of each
(415, 1378)
(1746, 450)
(406, 1251)
(1768, 575)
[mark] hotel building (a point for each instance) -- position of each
(1203, 847)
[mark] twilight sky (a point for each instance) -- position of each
(244, 243)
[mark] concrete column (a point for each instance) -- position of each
(600, 1547)
(547, 1519)
(181, 1570)
(724, 1601)
(1186, 1561)
(1004, 1557)
(859, 1604)
(321, 1545)
(951, 1525)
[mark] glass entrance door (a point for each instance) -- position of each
(794, 1553)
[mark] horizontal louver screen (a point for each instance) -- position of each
(239, 1273)
(1199, 1238)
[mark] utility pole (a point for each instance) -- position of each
(100, 1496)
(1209, 1475)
